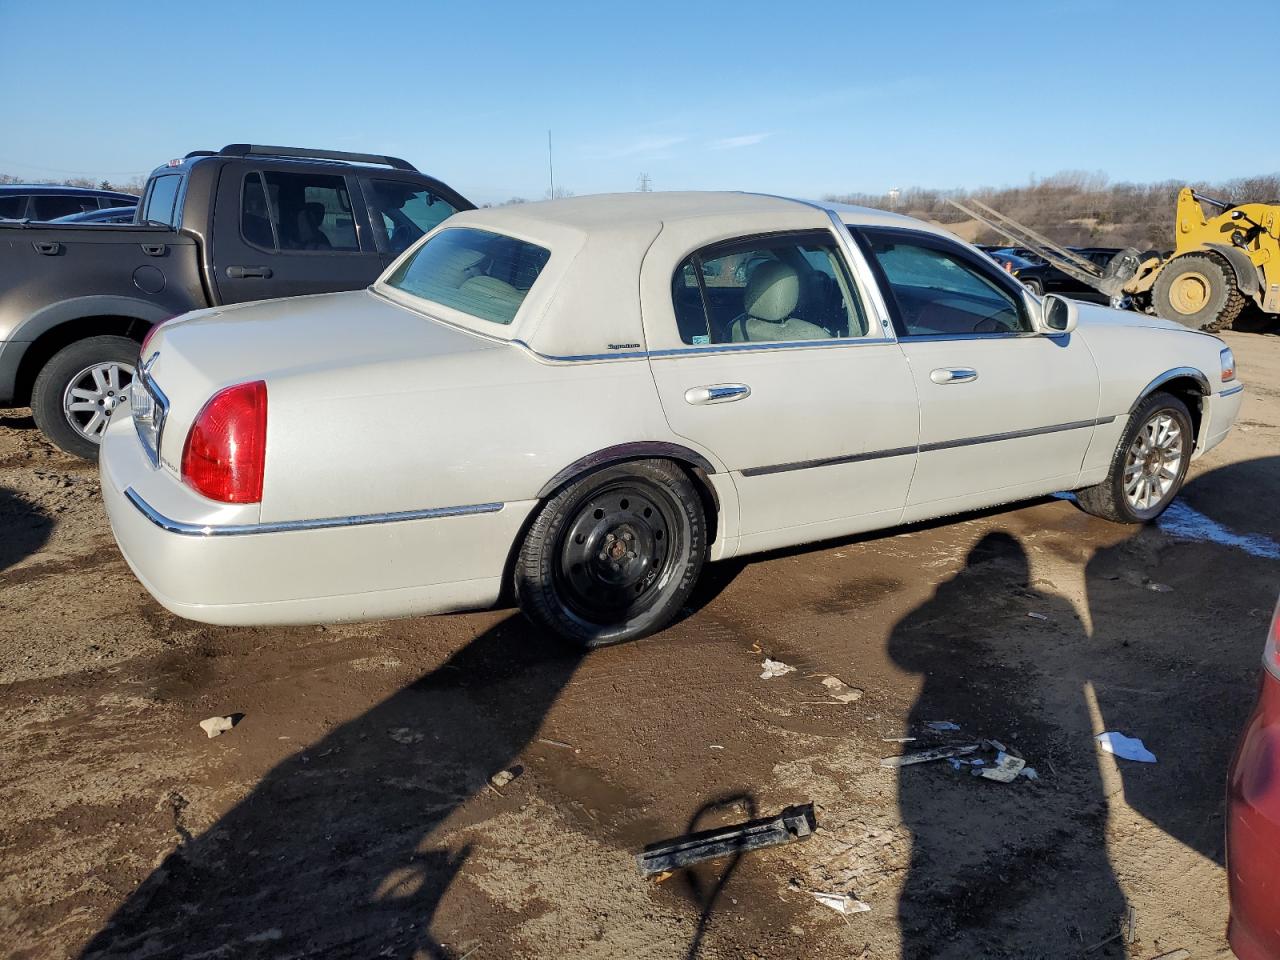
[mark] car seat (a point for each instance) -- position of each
(769, 304)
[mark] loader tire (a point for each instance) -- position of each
(1198, 290)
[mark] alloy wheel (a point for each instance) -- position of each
(1154, 462)
(92, 394)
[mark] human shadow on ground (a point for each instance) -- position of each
(334, 852)
(24, 528)
(1182, 675)
(990, 861)
(706, 882)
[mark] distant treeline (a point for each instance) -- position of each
(133, 186)
(1073, 207)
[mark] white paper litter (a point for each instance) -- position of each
(840, 902)
(839, 690)
(942, 725)
(1126, 748)
(775, 668)
(1037, 616)
(216, 725)
(1006, 769)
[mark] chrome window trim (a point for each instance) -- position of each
(839, 342)
(924, 447)
(284, 526)
(1231, 391)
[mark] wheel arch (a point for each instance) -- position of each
(64, 323)
(1188, 384)
(1245, 271)
(696, 466)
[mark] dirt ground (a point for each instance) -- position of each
(348, 813)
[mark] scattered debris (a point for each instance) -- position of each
(717, 746)
(1160, 587)
(1179, 954)
(556, 743)
(503, 777)
(897, 739)
(775, 668)
(216, 726)
(841, 691)
(404, 735)
(1126, 748)
(841, 903)
(793, 823)
(942, 725)
(933, 753)
(1030, 773)
(1006, 768)
(1037, 616)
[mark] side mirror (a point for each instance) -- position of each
(1058, 315)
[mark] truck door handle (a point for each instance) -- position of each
(154, 249)
(717, 393)
(954, 375)
(245, 273)
(49, 248)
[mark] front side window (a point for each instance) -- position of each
(483, 274)
(406, 211)
(766, 290)
(939, 292)
(284, 211)
(162, 200)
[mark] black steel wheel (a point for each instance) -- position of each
(614, 555)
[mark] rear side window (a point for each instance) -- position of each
(12, 207)
(482, 274)
(297, 211)
(52, 207)
(160, 205)
(766, 290)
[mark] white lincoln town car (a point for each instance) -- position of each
(578, 403)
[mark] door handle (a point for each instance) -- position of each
(245, 273)
(954, 375)
(154, 249)
(717, 393)
(50, 248)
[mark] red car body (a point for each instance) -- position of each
(1253, 820)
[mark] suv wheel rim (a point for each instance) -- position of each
(92, 394)
(1154, 462)
(617, 553)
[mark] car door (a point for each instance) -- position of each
(1005, 412)
(283, 233)
(768, 357)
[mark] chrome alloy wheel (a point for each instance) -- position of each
(1154, 462)
(92, 394)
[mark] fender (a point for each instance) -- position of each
(1246, 271)
(638, 450)
(1185, 372)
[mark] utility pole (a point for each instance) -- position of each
(551, 168)
(646, 184)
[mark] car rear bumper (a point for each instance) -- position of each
(1253, 831)
(206, 563)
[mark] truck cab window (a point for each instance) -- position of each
(298, 211)
(405, 211)
(160, 205)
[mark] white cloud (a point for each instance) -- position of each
(734, 143)
(640, 146)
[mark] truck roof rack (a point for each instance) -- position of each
(303, 153)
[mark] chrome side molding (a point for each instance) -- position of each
(283, 526)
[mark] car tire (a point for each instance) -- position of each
(1198, 290)
(614, 555)
(85, 366)
(1035, 286)
(1160, 423)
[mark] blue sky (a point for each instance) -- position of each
(803, 98)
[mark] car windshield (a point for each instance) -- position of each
(482, 274)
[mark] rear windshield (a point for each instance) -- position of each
(479, 273)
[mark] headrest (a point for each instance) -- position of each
(314, 213)
(773, 290)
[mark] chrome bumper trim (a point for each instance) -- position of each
(1231, 391)
(284, 526)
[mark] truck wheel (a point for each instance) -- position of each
(613, 556)
(77, 389)
(1035, 286)
(1198, 290)
(1148, 466)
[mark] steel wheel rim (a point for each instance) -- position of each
(617, 553)
(1190, 293)
(92, 394)
(1154, 462)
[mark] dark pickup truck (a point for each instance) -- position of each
(245, 223)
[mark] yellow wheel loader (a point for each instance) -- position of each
(1220, 262)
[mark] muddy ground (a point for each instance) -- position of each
(348, 813)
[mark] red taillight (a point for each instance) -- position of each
(1271, 658)
(226, 450)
